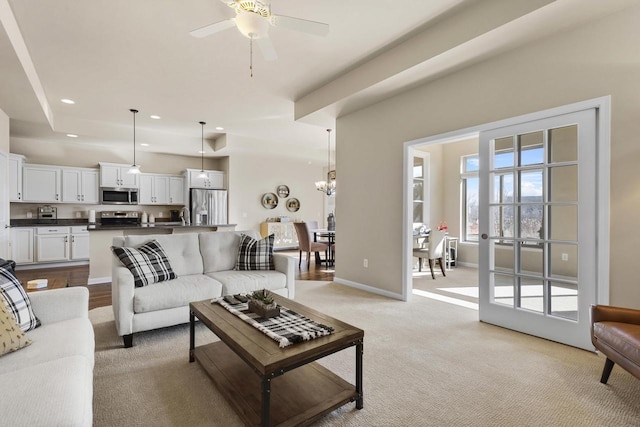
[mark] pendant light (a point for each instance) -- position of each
(135, 169)
(329, 186)
(203, 174)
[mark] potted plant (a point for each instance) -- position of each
(261, 302)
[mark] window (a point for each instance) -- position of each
(470, 199)
(420, 190)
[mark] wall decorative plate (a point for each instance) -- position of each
(283, 191)
(293, 205)
(269, 200)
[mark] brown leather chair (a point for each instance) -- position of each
(615, 331)
(306, 244)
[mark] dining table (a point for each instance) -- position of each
(328, 236)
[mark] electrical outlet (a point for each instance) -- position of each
(78, 215)
(160, 214)
(366, 263)
(565, 257)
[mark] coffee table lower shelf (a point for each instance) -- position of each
(298, 397)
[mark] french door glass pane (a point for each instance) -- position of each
(502, 220)
(531, 222)
(563, 184)
(531, 186)
(563, 144)
(563, 258)
(417, 212)
(503, 153)
(563, 222)
(502, 289)
(503, 256)
(503, 188)
(564, 300)
(532, 260)
(532, 294)
(531, 149)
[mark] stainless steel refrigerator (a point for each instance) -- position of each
(208, 207)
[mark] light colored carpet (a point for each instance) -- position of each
(426, 363)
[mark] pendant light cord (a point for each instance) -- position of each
(202, 148)
(134, 135)
(328, 154)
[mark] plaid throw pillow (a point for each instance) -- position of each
(17, 302)
(255, 254)
(148, 263)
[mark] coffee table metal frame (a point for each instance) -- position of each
(314, 350)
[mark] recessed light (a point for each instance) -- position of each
(144, 144)
(154, 117)
(72, 135)
(219, 128)
(67, 101)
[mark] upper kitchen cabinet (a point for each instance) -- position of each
(16, 162)
(115, 175)
(41, 183)
(212, 179)
(176, 190)
(80, 185)
(154, 189)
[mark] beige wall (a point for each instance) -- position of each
(4, 132)
(595, 60)
(252, 176)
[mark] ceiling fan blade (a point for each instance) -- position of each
(267, 49)
(302, 25)
(207, 30)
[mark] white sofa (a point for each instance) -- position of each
(50, 382)
(204, 264)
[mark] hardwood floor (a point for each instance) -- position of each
(100, 295)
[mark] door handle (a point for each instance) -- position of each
(484, 236)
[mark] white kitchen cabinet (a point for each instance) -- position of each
(115, 175)
(213, 179)
(79, 243)
(16, 162)
(52, 244)
(154, 189)
(176, 190)
(22, 250)
(41, 183)
(80, 185)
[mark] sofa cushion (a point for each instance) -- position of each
(16, 300)
(54, 393)
(183, 250)
(73, 337)
(148, 263)
(220, 249)
(175, 293)
(235, 282)
(11, 336)
(255, 254)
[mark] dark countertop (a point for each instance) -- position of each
(34, 222)
(156, 226)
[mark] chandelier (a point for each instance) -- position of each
(329, 186)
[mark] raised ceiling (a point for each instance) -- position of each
(113, 55)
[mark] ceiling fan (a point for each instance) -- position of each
(254, 18)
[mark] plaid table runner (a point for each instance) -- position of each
(287, 328)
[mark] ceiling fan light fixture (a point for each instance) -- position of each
(252, 25)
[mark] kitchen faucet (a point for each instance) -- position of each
(186, 218)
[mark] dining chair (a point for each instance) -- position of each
(434, 250)
(307, 244)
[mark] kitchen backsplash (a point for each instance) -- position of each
(65, 210)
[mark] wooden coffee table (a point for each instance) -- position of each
(268, 385)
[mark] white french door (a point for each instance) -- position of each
(538, 227)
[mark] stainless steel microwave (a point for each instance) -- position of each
(118, 196)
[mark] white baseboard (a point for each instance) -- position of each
(466, 264)
(368, 288)
(50, 265)
(99, 280)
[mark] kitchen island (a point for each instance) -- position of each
(101, 238)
